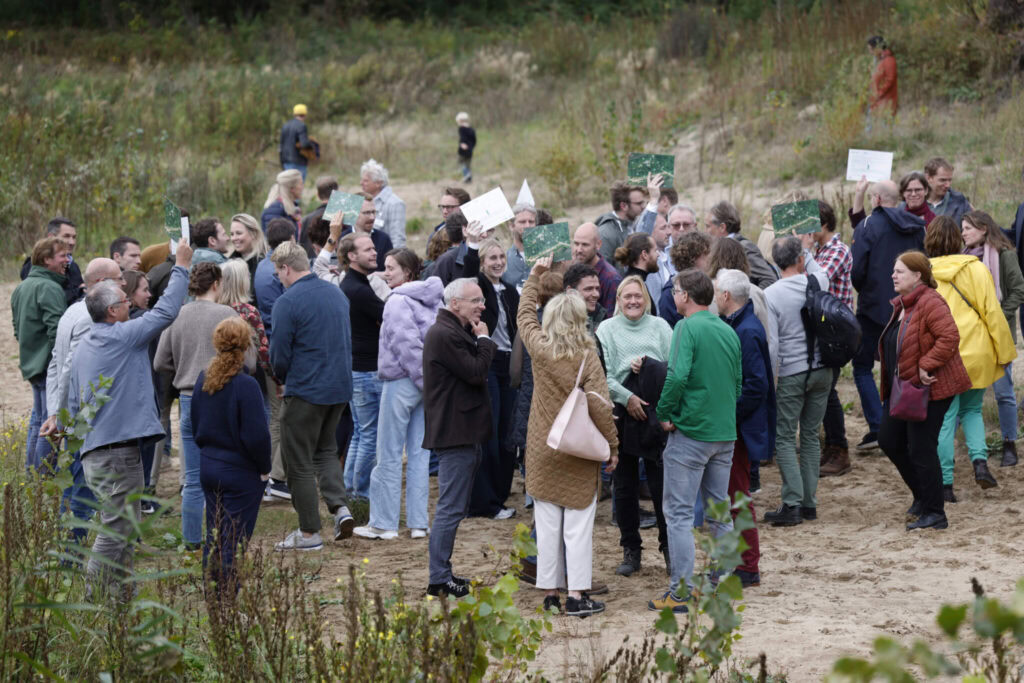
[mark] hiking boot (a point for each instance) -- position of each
(932, 520)
(583, 607)
(669, 599)
(838, 464)
(1009, 458)
(784, 515)
(810, 514)
(450, 588)
(827, 454)
(914, 511)
(552, 602)
(630, 562)
(947, 493)
(868, 443)
(982, 475)
(748, 579)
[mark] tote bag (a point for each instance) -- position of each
(907, 401)
(573, 431)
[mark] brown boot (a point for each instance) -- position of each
(828, 453)
(838, 465)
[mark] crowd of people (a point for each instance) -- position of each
(311, 359)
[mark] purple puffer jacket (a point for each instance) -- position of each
(408, 314)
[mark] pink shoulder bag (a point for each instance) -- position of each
(573, 432)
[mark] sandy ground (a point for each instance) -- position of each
(828, 587)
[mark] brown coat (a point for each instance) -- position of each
(930, 341)
(551, 475)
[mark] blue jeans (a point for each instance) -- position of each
(362, 451)
(863, 364)
(1006, 400)
(37, 449)
(401, 416)
(692, 468)
(79, 499)
(301, 168)
(192, 498)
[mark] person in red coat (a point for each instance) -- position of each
(884, 93)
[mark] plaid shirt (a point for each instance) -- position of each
(836, 260)
(609, 279)
(390, 216)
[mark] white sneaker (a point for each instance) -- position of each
(296, 541)
(505, 513)
(375, 533)
(267, 497)
(343, 523)
(418, 533)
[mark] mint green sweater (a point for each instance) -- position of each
(623, 340)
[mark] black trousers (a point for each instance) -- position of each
(493, 481)
(912, 448)
(626, 480)
(835, 420)
(233, 497)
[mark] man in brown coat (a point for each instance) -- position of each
(457, 413)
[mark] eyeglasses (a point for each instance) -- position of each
(447, 207)
(371, 212)
(476, 302)
(914, 190)
(676, 290)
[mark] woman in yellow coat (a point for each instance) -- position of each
(986, 345)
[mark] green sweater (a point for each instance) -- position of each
(36, 306)
(705, 374)
(623, 340)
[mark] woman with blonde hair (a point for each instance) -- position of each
(282, 200)
(234, 292)
(563, 487)
(249, 243)
(629, 339)
(231, 432)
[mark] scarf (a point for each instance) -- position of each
(990, 257)
(923, 212)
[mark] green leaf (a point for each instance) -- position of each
(950, 618)
(664, 661)
(666, 622)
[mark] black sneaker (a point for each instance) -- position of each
(748, 579)
(808, 513)
(755, 482)
(914, 511)
(648, 520)
(279, 489)
(784, 515)
(582, 608)
(148, 508)
(947, 493)
(462, 581)
(868, 443)
(552, 602)
(449, 588)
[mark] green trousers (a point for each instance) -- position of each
(801, 403)
(310, 455)
(965, 408)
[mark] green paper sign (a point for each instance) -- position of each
(798, 217)
(348, 204)
(547, 240)
(172, 220)
(642, 164)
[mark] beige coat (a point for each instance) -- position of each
(551, 475)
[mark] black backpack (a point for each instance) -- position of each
(831, 324)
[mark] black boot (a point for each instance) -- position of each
(947, 493)
(785, 515)
(630, 562)
(1009, 454)
(983, 476)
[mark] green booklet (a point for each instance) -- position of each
(348, 204)
(642, 164)
(797, 217)
(547, 240)
(172, 220)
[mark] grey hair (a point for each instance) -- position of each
(787, 252)
(735, 282)
(523, 206)
(100, 297)
(681, 207)
(455, 288)
(375, 170)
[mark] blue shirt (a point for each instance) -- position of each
(266, 288)
(121, 351)
(311, 351)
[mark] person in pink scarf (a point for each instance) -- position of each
(984, 239)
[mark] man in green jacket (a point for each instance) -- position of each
(37, 305)
(698, 409)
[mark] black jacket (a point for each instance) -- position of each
(468, 136)
(294, 131)
(645, 439)
(456, 404)
(73, 290)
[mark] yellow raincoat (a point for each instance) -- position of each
(985, 341)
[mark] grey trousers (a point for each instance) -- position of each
(113, 475)
(455, 473)
(276, 462)
(311, 458)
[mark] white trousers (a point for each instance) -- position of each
(565, 540)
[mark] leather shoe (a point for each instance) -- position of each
(932, 520)
(1009, 458)
(808, 513)
(785, 515)
(982, 475)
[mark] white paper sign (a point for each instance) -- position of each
(174, 246)
(874, 166)
(490, 209)
(525, 196)
(184, 230)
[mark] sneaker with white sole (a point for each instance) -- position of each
(343, 523)
(418, 533)
(375, 533)
(279, 489)
(296, 541)
(505, 513)
(267, 495)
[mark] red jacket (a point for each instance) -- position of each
(931, 341)
(884, 93)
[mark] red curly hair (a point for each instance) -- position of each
(231, 338)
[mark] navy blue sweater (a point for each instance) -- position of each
(231, 425)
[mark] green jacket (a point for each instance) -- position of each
(1011, 282)
(705, 375)
(36, 306)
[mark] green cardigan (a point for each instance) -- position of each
(1011, 282)
(36, 306)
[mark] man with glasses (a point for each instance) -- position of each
(118, 348)
(364, 226)
(451, 199)
(628, 202)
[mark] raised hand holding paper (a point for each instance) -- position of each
(874, 166)
(797, 217)
(641, 164)
(348, 204)
(491, 209)
(547, 240)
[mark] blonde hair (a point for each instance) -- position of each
(279, 191)
(231, 338)
(487, 245)
(292, 255)
(259, 241)
(234, 283)
(633, 280)
(565, 327)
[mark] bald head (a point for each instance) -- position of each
(887, 193)
(100, 269)
(585, 243)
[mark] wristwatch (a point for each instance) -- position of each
(330, 241)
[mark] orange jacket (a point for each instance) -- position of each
(883, 84)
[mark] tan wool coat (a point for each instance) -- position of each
(551, 475)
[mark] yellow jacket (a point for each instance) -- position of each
(985, 341)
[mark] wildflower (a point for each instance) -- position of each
(366, 560)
